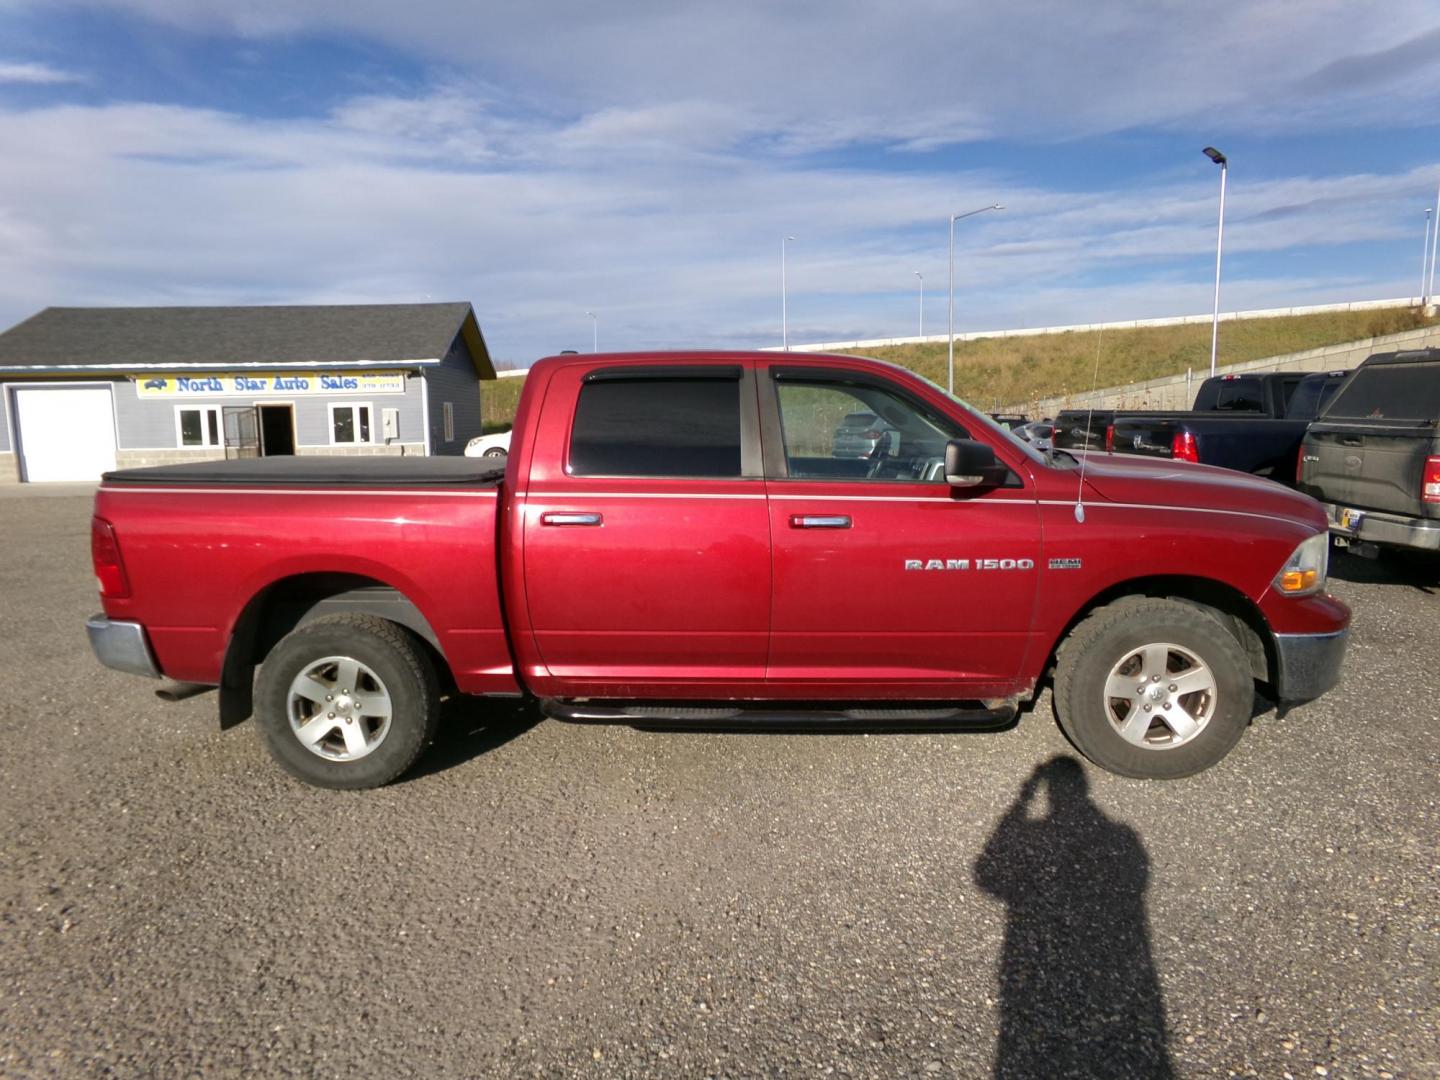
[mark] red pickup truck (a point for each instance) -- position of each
(680, 539)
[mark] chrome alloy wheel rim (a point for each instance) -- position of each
(339, 709)
(1160, 696)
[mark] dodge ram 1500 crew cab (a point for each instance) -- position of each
(674, 540)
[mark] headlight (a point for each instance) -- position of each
(1304, 572)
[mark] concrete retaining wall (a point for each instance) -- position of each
(1178, 391)
(1129, 324)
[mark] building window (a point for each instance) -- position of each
(448, 413)
(198, 427)
(350, 425)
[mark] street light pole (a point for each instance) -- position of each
(1425, 259)
(784, 302)
(1219, 159)
(922, 301)
(1429, 289)
(950, 317)
(594, 331)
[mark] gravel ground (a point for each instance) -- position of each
(551, 900)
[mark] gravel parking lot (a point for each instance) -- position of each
(542, 899)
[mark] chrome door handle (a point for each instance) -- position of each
(562, 518)
(813, 521)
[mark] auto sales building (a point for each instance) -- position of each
(86, 390)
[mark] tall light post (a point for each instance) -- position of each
(922, 301)
(1425, 259)
(950, 318)
(1219, 159)
(594, 331)
(1429, 289)
(784, 303)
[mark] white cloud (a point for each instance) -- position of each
(918, 74)
(153, 204)
(34, 74)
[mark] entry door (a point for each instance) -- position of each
(66, 433)
(277, 430)
(887, 581)
(646, 538)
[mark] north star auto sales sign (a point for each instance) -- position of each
(270, 383)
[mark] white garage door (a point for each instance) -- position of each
(65, 433)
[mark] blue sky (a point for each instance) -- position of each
(643, 159)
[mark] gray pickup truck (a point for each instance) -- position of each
(1373, 459)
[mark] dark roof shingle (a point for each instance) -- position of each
(218, 337)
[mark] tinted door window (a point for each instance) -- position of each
(657, 427)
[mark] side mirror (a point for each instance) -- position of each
(972, 464)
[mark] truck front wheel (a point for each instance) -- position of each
(1153, 688)
(348, 701)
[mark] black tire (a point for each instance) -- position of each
(1111, 643)
(391, 673)
(494, 451)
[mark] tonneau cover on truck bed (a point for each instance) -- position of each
(333, 470)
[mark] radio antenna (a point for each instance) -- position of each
(1089, 431)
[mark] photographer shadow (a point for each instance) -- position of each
(1079, 994)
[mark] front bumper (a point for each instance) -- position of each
(1309, 664)
(1393, 529)
(122, 646)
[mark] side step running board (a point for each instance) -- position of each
(780, 714)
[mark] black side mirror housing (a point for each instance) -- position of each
(972, 464)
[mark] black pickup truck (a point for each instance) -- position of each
(1373, 460)
(1250, 423)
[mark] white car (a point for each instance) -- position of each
(497, 445)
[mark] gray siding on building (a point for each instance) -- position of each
(149, 423)
(5, 447)
(454, 381)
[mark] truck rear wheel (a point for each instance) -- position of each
(348, 701)
(1153, 688)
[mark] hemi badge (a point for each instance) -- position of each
(1064, 564)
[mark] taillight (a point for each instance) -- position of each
(105, 554)
(1430, 480)
(1182, 447)
(1109, 438)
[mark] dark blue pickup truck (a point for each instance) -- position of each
(1250, 423)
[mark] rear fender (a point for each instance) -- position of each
(287, 605)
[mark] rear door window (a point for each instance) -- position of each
(659, 426)
(1242, 395)
(1390, 392)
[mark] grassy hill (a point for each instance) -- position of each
(498, 400)
(991, 372)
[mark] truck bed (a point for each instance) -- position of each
(424, 528)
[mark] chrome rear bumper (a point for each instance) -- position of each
(121, 645)
(1381, 528)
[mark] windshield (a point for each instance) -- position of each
(1000, 431)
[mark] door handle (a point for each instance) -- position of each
(816, 521)
(566, 518)
(1352, 440)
